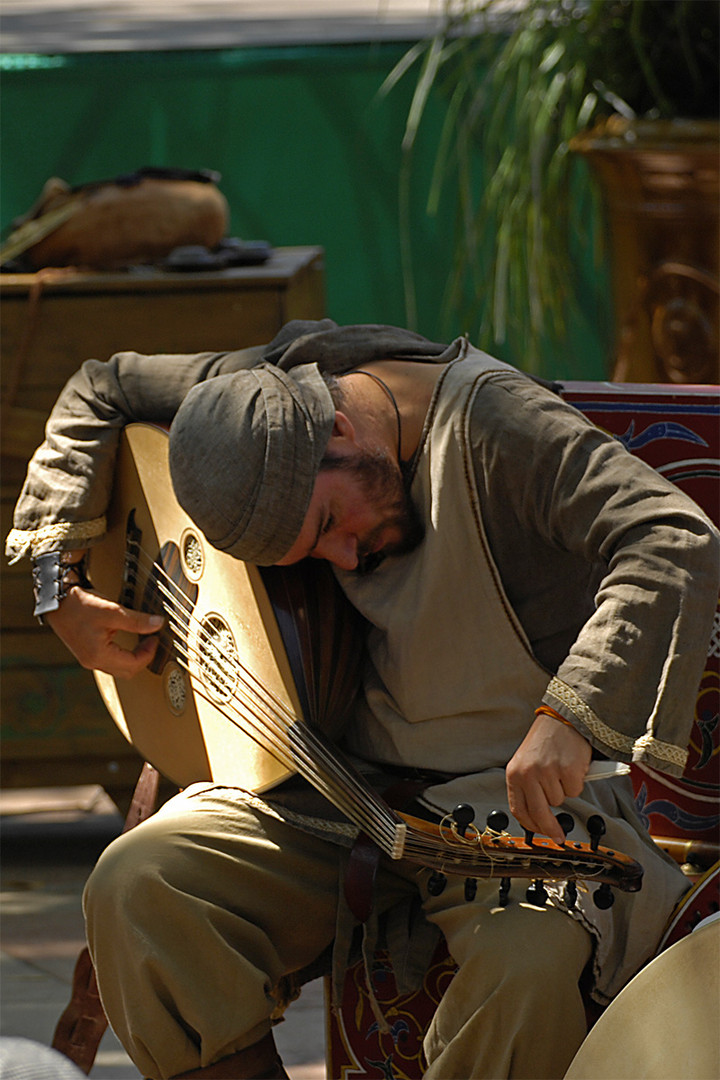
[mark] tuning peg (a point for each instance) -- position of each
(604, 897)
(497, 821)
(470, 888)
(566, 821)
(504, 896)
(536, 894)
(570, 894)
(436, 883)
(463, 815)
(596, 828)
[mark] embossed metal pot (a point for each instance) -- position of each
(660, 182)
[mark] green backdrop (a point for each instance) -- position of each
(308, 152)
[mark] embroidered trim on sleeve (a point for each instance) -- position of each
(646, 745)
(34, 542)
(607, 735)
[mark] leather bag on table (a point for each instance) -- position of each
(132, 219)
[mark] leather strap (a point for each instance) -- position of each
(144, 798)
(257, 1062)
(83, 1022)
(53, 575)
(360, 875)
(361, 872)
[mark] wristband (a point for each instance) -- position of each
(545, 710)
(53, 577)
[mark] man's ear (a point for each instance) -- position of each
(343, 428)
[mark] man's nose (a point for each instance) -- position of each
(340, 549)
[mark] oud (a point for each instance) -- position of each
(255, 673)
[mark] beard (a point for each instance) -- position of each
(382, 483)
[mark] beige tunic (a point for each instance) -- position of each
(453, 682)
(432, 702)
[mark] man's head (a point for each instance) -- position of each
(271, 473)
(359, 511)
(244, 454)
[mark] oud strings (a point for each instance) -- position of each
(295, 746)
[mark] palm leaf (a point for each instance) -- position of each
(517, 86)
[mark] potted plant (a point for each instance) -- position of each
(532, 87)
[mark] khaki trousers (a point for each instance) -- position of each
(194, 916)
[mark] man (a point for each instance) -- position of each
(535, 595)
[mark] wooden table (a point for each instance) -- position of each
(55, 319)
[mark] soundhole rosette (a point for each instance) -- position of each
(175, 686)
(217, 658)
(192, 555)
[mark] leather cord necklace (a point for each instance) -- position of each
(391, 396)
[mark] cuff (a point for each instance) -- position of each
(62, 535)
(646, 750)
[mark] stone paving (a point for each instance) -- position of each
(50, 841)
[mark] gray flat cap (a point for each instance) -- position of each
(245, 450)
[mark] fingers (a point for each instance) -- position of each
(124, 663)
(88, 625)
(534, 786)
(531, 805)
(134, 622)
(548, 767)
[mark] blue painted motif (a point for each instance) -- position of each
(398, 1029)
(386, 1067)
(707, 723)
(663, 429)
(671, 812)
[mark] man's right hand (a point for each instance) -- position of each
(87, 624)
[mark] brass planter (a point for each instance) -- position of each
(660, 182)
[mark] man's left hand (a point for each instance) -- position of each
(549, 766)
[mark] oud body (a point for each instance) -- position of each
(176, 714)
